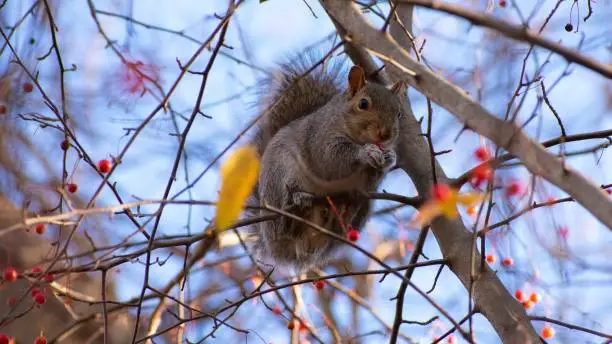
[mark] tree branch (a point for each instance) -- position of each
(507, 135)
(516, 32)
(491, 298)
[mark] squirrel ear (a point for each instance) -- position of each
(397, 87)
(356, 79)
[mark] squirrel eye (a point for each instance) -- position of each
(364, 104)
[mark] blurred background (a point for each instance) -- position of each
(120, 60)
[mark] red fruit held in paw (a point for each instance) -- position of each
(40, 298)
(105, 165)
(352, 235)
(40, 228)
(4, 339)
(72, 187)
(40, 340)
(319, 285)
(10, 274)
(28, 87)
(482, 154)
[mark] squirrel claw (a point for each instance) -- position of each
(390, 159)
(376, 157)
(302, 199)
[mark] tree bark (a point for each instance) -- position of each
(490, 296)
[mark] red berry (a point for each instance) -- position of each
(40, 228)
(40, 340)
(28, 87)
(40, 298)
(10, 274)
(441, 192)
(276, 310)
(49, 278)
(451, 340)
(548, 332)
(519, 295)
(4, 339)
(353, 235)
(72, 187)
(290, 325)
(482, 154)
(490, 258)
(319, 284)
(2, 109)
(528, 304)
(507, 261)
(535, 298)
(514, 188)
(480, 174)
(303, 327)
(35, 291)
(502, 3)
(471, 210)
(104, 165)
(65, 145)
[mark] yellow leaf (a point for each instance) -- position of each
(239, 174)
(449, 209)
(428, 211)
(446, 207)
(470, 198)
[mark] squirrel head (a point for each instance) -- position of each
(372, 111)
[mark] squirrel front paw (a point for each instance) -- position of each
(376, 157)
(390, 159)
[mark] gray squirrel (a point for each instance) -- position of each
(317, 138)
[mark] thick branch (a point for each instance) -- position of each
(471, 114)
(490, 296)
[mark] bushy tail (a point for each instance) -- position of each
(295, 90)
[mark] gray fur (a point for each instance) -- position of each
(316, 141)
